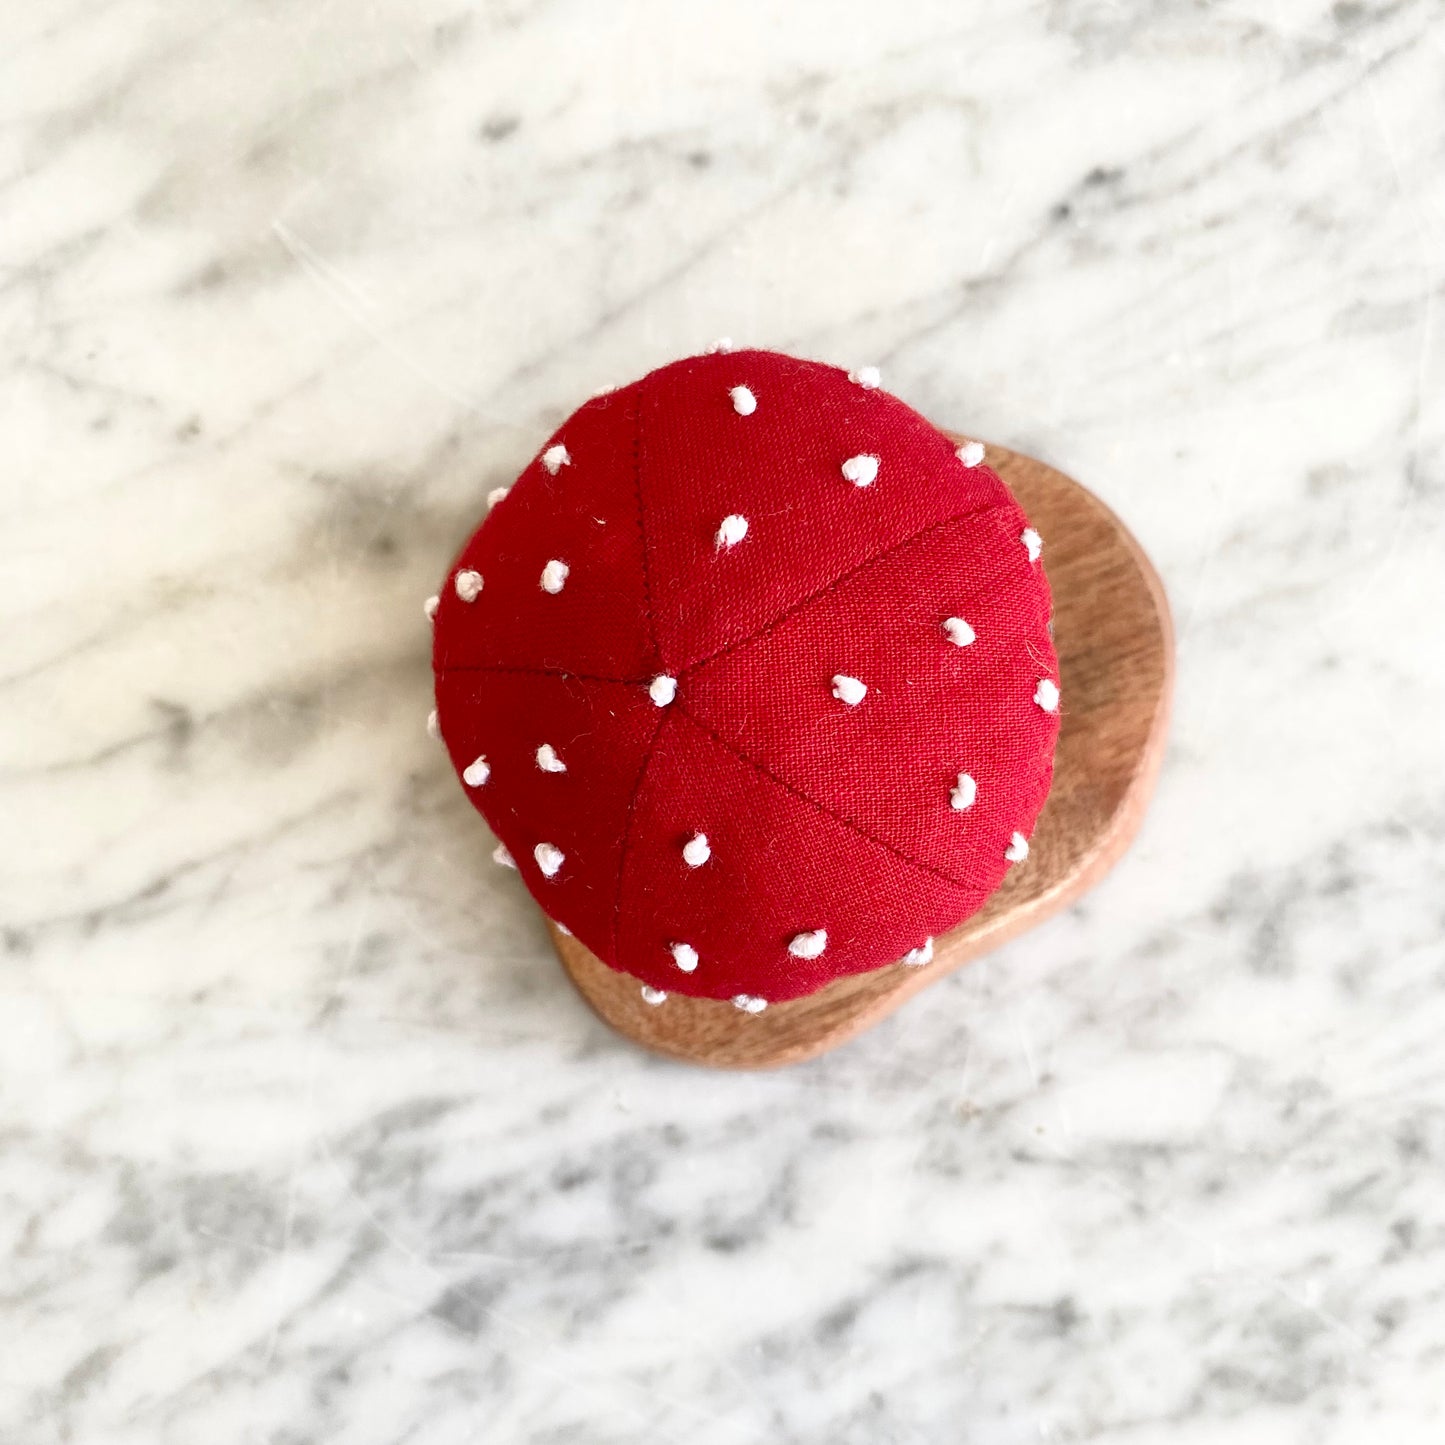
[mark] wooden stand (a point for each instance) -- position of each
(1116, 665)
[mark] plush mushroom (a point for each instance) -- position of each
(800, 675)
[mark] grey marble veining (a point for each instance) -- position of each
(303, 1137)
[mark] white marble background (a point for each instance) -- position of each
(303, 1137)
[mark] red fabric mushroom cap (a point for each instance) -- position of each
(750, 671)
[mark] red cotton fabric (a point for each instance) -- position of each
(818, 815)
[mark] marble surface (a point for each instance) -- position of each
(305, 1138)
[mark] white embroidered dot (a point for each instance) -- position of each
(554, 576)
(917, 957)
(433, 724)
(696, 851)
(548, 760)
(496, 495)
(1046, 694)
(662, 689)
(731, 530)
(476, 772)
(744, 402)
(684, 955)
(1033, 543)
(654, 996)
(555, 458)
(430, 608)
(970, 453)
(809, 945)
(749, 1003)
(861, 470)
(867, 377)
(549, 858)
(1018, 848)
(964, 793)
(721, 346)
(849, 689)
(502, 855)
(959, 632)
(468, 584)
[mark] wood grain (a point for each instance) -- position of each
(1116, 662)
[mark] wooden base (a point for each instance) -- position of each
(1116, 664)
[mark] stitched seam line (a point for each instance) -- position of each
(642, 525)
(764, 772)
(627, 831)
(836, 583)
(565, 673)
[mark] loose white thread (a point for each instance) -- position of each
(809, 945)
(501, 854)
(867, 377)
(496, 495)
(684, 955)
(731, 531)
(662, 689)
(548, 760)
(959, 632)
(555, 458)
(1018, 848)
(849, 689)
(1046, 694)
(970, 453)
(430, 608)
(721, 346)
(468, 584)
(433, 724)
(861, 470)
(963, 795)
(476, 772)
(744, 402)
(696, 851)
(917, 957)
(1033, 543)
(554, 576)
(549, 858)
(652, 995)
(749, 1003)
